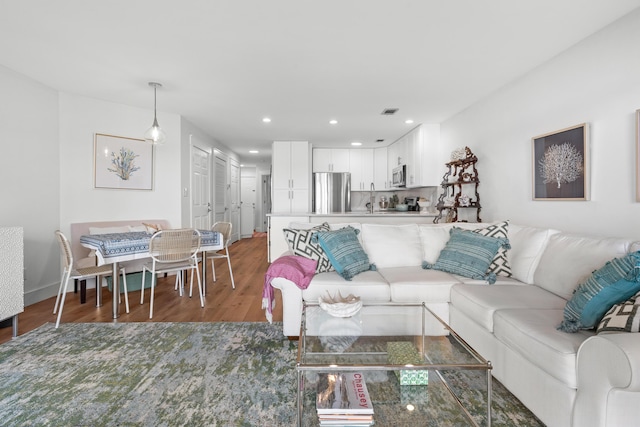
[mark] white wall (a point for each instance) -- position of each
(30, 191)
(598, 82)
(80, 119)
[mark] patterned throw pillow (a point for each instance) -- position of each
(612, 272)
(468, 254)
(624, 317)
(344, 251)
(300, 244)
(500, 264)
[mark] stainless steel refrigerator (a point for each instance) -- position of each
(331, 192)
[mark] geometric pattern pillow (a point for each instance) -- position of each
(624, 317)
(500, 264)
(610, 273)
(468, 254)
(300, 244)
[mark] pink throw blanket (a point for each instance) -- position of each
(298, 269)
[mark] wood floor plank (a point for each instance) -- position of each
(222, 303)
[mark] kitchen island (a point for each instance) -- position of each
(277, 222)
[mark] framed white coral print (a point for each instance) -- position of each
(561, 164)
(637, 155)
(122, 163)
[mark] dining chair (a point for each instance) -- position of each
(173, 251)
(223, 228)
(70, 272)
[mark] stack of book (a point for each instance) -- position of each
(343, 400)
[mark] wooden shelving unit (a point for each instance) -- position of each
(460, 189)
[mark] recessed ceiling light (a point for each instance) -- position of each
(266, 120)
(408, 121)
(254, 151)
(356, 143)
(333, 122)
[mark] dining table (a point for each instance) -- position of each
(114, 248)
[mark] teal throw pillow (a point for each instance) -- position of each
(595, 309)
(619, 272)
(344, 251)
(469, 254)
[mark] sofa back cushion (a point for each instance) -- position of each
(392, 245)
(527, 247)
(569, 260)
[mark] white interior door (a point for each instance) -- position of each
(221, 210)
(247, 206)
(234, 198)
(200, 188)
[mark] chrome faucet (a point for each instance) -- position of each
(372, 198)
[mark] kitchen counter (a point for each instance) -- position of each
(279, 221)
(359, 214)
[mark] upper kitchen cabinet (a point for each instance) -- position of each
(418, 150)
(331, 160)
(361, 168)
(381, 175)
(291, 177)
(423, 156)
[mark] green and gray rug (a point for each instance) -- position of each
(165, 374)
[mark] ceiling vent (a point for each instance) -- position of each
(389, 111)
(379, 140)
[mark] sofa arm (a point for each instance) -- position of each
(291, 305)
(608, 369)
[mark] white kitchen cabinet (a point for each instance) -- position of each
(423, 148)
(331, 160)
(381, 175)
(291, 177)
(361, 168)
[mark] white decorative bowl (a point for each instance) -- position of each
(402, 207)
(340, 306)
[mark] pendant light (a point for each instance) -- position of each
(155, 135)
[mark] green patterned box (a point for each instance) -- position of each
(405, 353)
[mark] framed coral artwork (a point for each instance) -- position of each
(122, 163)
(637, 155)
(561, 164)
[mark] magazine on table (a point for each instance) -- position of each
(343, 393)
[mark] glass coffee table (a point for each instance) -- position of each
(417, 370)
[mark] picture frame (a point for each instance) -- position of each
(122, 163)
(638, 155)
(560, 164)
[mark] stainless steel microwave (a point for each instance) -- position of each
(398, 176)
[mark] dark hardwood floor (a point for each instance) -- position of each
(222, 303)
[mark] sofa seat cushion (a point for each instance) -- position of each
(500, 280)
(480, 302)
(414, 284)
(369, 285)
(533, 334)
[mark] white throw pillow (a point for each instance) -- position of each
(392, 245)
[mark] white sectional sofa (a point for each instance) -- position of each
(565, 379)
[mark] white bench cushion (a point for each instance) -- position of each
(369, 285)
(533, 334)
(414, 284)
(480, 302)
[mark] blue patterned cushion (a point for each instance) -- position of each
(469, 254)
(611, 273)
(344, 251)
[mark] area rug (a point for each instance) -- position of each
(165, 374)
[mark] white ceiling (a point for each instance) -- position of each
(227, 64)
